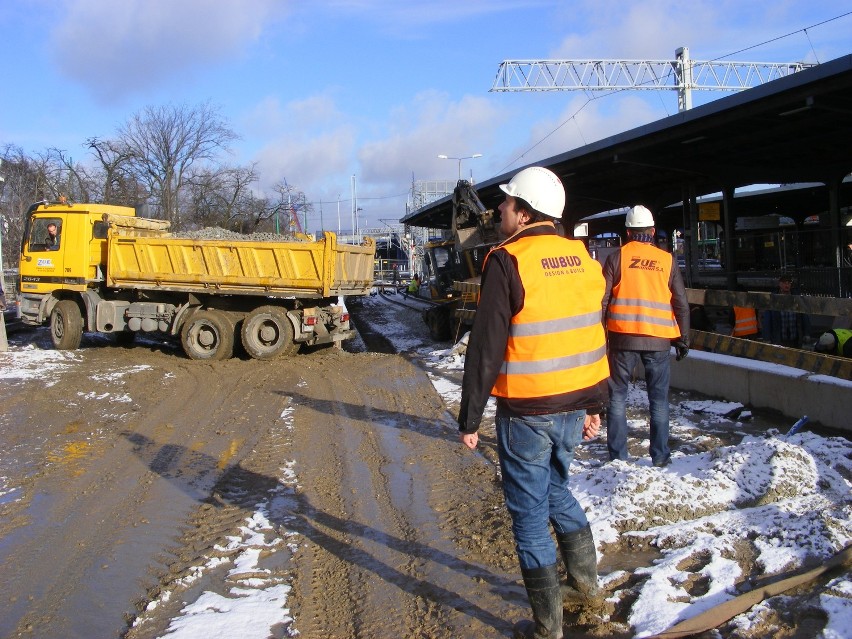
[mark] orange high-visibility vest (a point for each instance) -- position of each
(745, 322)
(641, 302)
(556, 342)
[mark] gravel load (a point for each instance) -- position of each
(215, 233)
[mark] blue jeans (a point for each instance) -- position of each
(535, 453)
(657, 374)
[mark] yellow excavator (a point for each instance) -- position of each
(455, 264)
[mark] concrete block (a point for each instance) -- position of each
(791, 391)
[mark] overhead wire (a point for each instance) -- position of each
(360, 198)
(589, 100)
(614, 91)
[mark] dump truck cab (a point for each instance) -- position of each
(65, 264)
(101, 268)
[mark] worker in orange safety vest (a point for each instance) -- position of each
(538, 345)
(646, 312)
(744, 322)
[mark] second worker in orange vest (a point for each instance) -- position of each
(646, 313)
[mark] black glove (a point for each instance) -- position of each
(681, 348)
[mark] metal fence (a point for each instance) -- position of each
(823, 281)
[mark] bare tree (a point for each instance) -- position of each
(166, 141)
(21, 186)
(68, 178)
(258, 215)
(221, 197)
(117, 183)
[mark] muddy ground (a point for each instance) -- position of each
(129, 465)
(126, 467)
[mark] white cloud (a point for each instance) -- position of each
(653, 29)
(307, 141)
(113, 48)
(428, 126)
(318, 148)
(410, 15)
(308, 163)
(271, 118)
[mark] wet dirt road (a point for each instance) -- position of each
(124, 469)
(127, 472)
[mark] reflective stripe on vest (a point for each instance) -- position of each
(745, 321)
(556, 342)
(641, 301)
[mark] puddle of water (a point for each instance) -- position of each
(628, 561)
(9, 494)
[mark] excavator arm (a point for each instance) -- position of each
(473, 224)
(474, 233)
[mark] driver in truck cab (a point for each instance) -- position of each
(51, 241)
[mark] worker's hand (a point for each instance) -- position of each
(591, 426)
(469, 439)
(681, 348)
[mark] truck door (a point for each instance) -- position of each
(43, 258)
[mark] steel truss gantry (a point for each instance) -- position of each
(681, 74)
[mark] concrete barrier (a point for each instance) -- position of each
(792, 391)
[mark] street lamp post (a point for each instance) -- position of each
(467, 157)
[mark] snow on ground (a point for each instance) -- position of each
(790, 496)
(258, 601)
(31, 362)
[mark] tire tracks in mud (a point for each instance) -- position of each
(378, 469)
(385, 494)
(391, 514)
(95, 519)
(381, 560)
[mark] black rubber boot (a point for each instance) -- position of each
(545, 597)
(581, 563)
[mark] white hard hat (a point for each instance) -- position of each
(540, 188)
(639, 217)
(825, 343)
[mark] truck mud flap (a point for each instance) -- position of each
(339, 336)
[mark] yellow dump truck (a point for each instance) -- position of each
(94, 267)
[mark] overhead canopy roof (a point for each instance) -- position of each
(795, 129)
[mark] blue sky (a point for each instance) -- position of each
(323, 90)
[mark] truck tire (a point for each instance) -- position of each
(66, 325)
(208, 334)
(267, 333)
(439, 321)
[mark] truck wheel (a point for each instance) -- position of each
(66, 325)
(438, 319)
(208, 335)
(267, 333)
